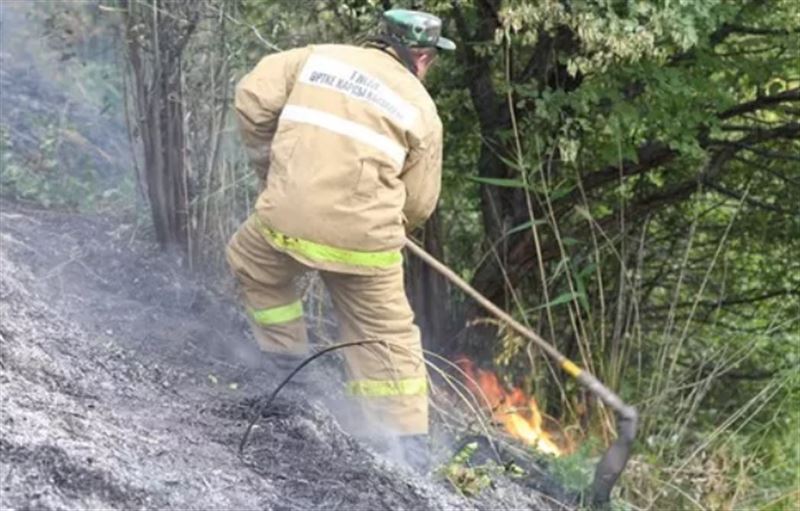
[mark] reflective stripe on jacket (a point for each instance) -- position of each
(353, 147)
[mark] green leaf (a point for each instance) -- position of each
(498, 181)
(561, 192)
(587, 270)
(561, 299)
(584, 301)
(525, 225)
(511, 163)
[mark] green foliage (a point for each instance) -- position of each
(42, 180)
(467, 479)
(470, 479)
(691, 311)
(575, 470)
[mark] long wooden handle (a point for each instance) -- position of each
(588, 380)
(613, 461)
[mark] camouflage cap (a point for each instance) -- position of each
(417, 29)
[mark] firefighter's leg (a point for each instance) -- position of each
(267, 282)
(389, 381)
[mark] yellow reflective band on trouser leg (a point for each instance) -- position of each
(327, 254)
(278, 315)
(387, 388)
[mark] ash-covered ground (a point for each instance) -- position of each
(126, 384)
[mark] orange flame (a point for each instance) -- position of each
(518, 413)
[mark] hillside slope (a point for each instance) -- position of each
(126, 384)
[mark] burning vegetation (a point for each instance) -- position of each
(517, 412)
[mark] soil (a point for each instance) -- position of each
(126, 383)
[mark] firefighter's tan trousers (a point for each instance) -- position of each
(389, 381)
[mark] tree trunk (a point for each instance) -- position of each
(155, 43)
(428, 291)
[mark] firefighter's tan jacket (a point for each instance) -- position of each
(351, 145)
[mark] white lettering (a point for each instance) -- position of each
(346, 79)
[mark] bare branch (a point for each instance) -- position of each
(255, 31)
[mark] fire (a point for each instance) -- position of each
(518, 413)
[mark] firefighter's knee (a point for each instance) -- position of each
(266, 283)
(288, 337)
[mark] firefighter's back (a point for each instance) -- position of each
(350, 118)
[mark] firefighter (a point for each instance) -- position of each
(350, 145)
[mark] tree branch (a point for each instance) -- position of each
(768, 170)
(540, 65)
(741, 29)
(759, 103)
(774, 155)
(740, 300)
(790, 130)
(749, 200)
(522, 259)
(653, 154)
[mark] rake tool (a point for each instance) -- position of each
(616, 457)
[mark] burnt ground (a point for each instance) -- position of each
(126, 384)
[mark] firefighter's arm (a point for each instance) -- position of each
(260, 97)
(422, 177)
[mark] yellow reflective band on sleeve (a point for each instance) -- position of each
(387, 388)
(572, 369)
(277, 315)
(325, 253)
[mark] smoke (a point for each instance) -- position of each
(61, 107)
(323, 381)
